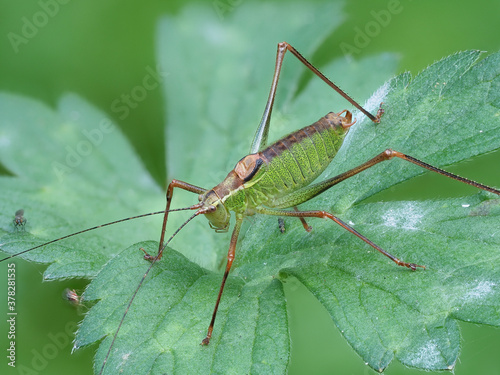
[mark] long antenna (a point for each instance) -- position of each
(153, 261)
(89, 229)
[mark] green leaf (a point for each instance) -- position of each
(70, 167)
(217, 84)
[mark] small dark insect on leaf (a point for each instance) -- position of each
(19, 220)
(281, 225)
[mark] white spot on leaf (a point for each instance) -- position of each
(427, 356)
(407, 218)
(480, 290)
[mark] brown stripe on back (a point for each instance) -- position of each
(269, 153)
(279, 147)
(298, 136)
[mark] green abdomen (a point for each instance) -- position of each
(298, 159)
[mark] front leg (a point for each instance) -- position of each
(230, 258)
(170, 192)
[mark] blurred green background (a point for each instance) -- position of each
(100, 50)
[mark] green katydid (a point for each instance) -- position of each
(276, 177)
